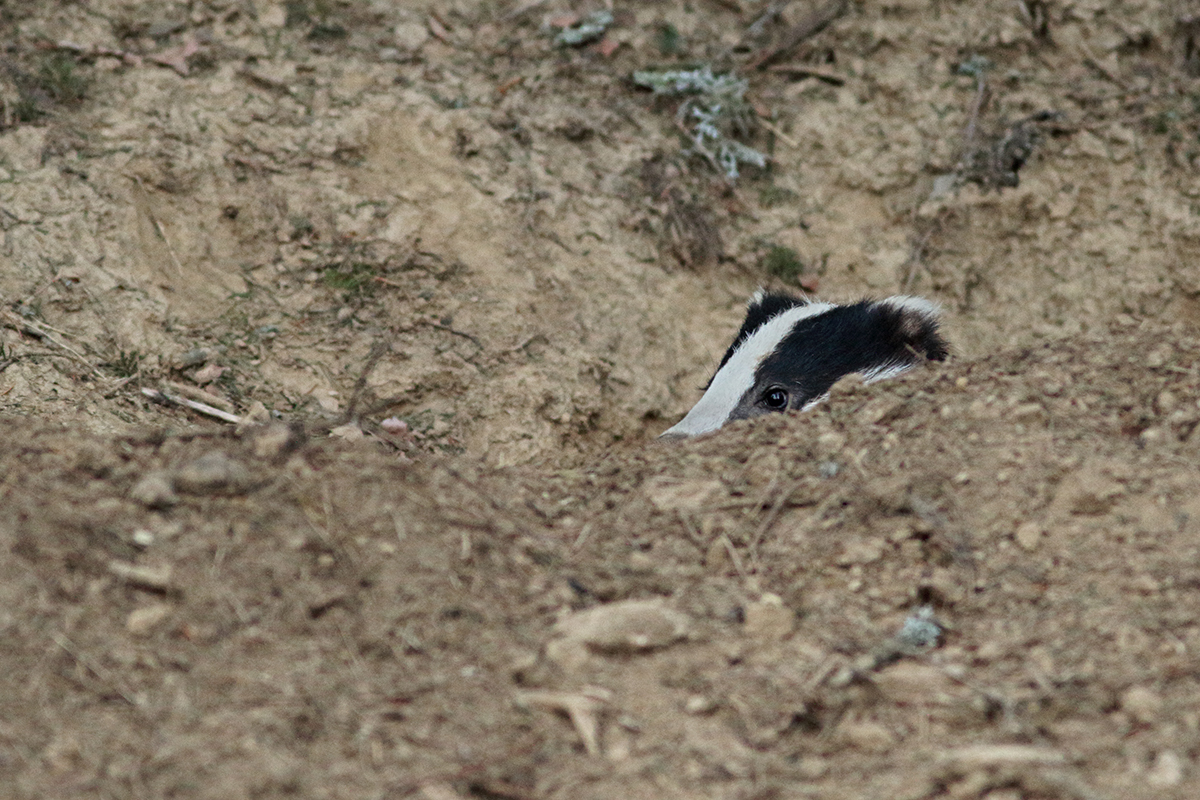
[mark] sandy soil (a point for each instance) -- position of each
(318, 215)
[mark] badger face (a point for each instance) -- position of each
(789, 351)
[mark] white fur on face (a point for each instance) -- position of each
(734, 379)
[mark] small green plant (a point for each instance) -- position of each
(783, 263)
(771, 196)
(668, 40)
(126, 364)
(324, 32)
(306, 12)
(26, 109)
(301, 226)
(60, 80)
(52, 79)
(354, 279)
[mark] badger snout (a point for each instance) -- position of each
(790, 351)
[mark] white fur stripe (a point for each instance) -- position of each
(907, 302)
(883, 372)
(734, 379)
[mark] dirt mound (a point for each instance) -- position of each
(447, 279)
(216, 615)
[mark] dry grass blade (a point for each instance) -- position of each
(92, 667)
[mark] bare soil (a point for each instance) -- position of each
(326, 219)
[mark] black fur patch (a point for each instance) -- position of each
(758, 314)
(846, 340)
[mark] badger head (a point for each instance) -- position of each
(789, 351)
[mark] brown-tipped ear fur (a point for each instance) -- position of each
(918, 326)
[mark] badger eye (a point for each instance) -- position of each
(775, 399)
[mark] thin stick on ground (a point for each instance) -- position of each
(780, 135)
(162, 233)
(92, 667)
(769, 519)
(920, 247)
(734, 556)
(378, 350)
(46, 333)
(972, 130)
(201, 408)
(809, 71)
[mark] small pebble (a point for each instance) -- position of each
(641, 562)
(1152, 436)
(272, 440)
(831, 442)
(256, 414)
(157, 579)
(212, 472)
(716, 556)
(1028, 412)
(768, 619)
(142, 621)
(1158, 357)
(812, 767)
(350, 432)
(912, 683)
(862, 551)
(155, 490)
(867, 736)
(192, 358)
(1167, 769)
(1141, 703)
(1166, 402)
(394, 425)
(410, 35)
(627, 626)
(1028, 535)
(207, 374)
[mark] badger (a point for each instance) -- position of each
(791, 350)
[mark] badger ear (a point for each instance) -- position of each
(917, 324)
(757, 298)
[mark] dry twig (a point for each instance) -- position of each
(780, 135)
(806, 71)
(158, 225)
(92, 667)
(46, 333)
(202, 408)
(808, 27)
(581, 707)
